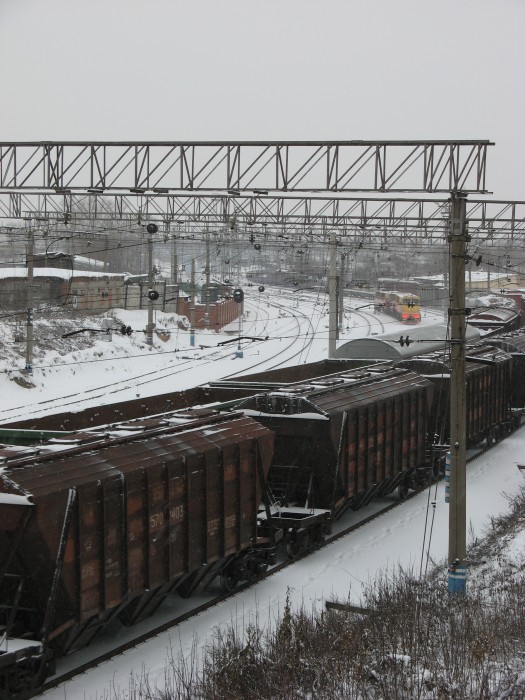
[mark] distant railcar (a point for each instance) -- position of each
(514, 344)
(496, 319)
(401, 305)
(428, 291)
(488, 395)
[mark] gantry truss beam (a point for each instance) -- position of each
(422, 218)
(235, 167)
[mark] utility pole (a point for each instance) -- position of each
(457, 543)
(29, 298)
(332, 296)
(446, 301)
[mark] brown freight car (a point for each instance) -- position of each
(514, 344)
(108, 525)
(488, 392)
(341, 442)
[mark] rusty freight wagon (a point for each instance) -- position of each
(514, 344)
(106, 525)
(341, 442)
(488, 392)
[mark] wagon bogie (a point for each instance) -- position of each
(24, 666)
(246, 566)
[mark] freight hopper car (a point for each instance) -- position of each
(106, 525)
(341, 442)
(488, 393)
(514, 344)
(495, 320)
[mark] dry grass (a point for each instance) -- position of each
(416, 642)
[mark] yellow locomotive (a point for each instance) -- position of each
(401, 305)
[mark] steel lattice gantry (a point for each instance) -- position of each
(309, 166)
(420, 219)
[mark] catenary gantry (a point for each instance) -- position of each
(421, 219)
(303, 166)
(254, 183)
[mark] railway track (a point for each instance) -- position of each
(85, 666)
(299, 318)
(209, 359)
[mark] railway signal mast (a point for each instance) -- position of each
(153, 295)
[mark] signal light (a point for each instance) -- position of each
(152, 228)
(404, 341)
(125, 330)
(238, 296)
(153, 295)
(261, 288)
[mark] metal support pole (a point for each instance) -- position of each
(341, 288)
(174, 259)
(239, 352)
(29, 297)
(332, 296)
(151, 325)
(457, 543)
(208, 277)
(106, 253)
(192, 304)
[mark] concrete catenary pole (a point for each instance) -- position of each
(332, 296)
(457, 512)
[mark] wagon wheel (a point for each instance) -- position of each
(262, 568)
(402, 489)
(228, 581)
(317, 535)
(297, 543)
(293, 548)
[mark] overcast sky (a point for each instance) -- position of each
(273, 69)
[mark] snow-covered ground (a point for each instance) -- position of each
(297, 329)
(83, 370)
